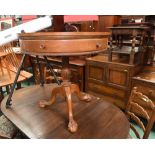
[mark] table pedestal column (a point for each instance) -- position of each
(66, 89)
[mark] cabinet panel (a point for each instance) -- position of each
(118, 76)
(96, 73)
(106, 90)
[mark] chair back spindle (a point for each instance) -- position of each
(133, 105)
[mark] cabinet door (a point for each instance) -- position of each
(118, 76)
(95, 72)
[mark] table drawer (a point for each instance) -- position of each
(62, 47)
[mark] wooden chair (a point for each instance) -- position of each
(133, 106)
(11, 61)
(9, 65)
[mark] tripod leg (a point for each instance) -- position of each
(8, 104)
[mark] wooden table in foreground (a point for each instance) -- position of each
(96, 119)
(63, 44)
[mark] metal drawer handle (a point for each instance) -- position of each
(98, 45)
(42, 46)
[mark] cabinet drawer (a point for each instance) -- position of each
(106, 90)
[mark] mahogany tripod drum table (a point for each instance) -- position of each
(63, 44)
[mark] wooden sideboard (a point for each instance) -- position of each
(110, 79)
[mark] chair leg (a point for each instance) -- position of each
(1, 94)
(149, 126)
(8, 102)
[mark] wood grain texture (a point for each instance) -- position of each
(63, 43)
(111, 79)
(96, 119)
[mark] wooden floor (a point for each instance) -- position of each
(96, 119)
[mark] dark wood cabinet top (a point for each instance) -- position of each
(146, 77)
(130, 27)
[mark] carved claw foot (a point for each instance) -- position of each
(72, 126)
(43, 103)
(85, 97)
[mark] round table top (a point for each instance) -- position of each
(96, 119)
(63, 43)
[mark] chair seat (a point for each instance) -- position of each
(7, 128)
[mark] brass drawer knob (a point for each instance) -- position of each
(98, 45)
(125, 70)
(42, 46)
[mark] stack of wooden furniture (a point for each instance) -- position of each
(110, 76)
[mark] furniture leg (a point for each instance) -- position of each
(7, 68)
(1, 94)
(8, 102)
(72, 125)
(40, 72)
(110, 50)
(66, 89)
(7, 89)
(32, 65)
(82, 97)
(19, 85)
(1, 67)
(51, 70)
(55, 91)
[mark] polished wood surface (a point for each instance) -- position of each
(63, 43)
(96, 119)
(111, 79)
(106, 21)
(134, 105)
